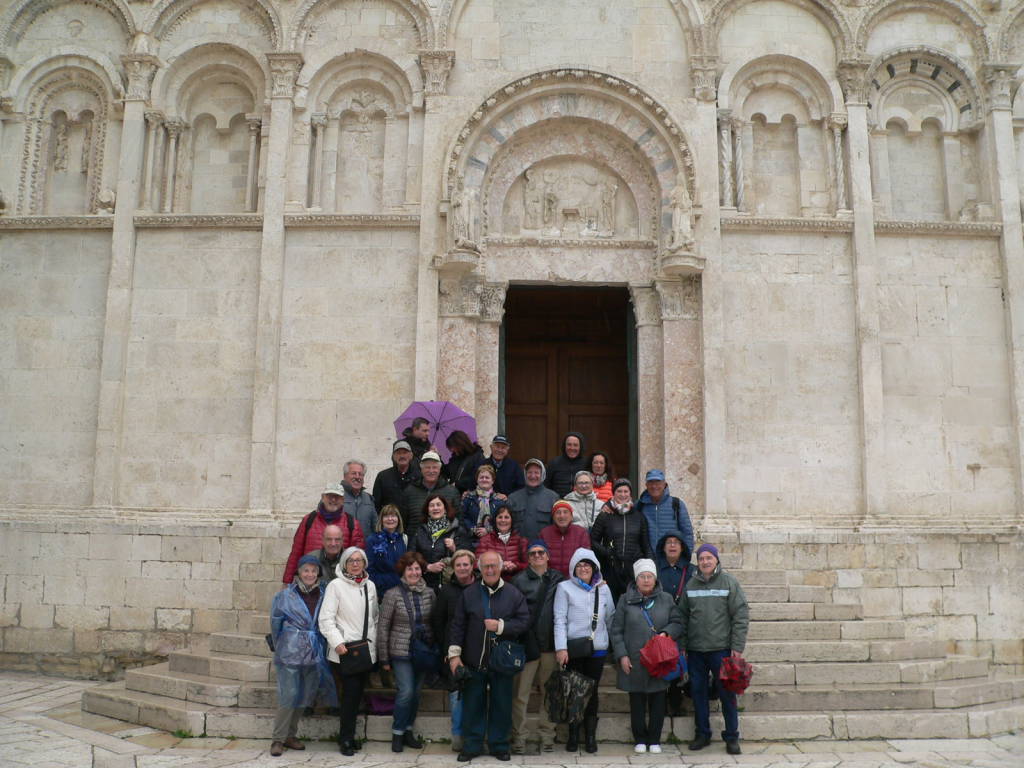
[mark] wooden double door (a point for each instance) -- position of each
(567, 354)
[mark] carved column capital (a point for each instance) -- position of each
(998, 79)
(646, 305)
(154, 118)
(492, 302)
(704, 74)
(837, 122)
(678, 298)
(254, 123)
(318, 119)
(175, 126)
(436, 65)
(284, 68)
(139, 68)
(853, 79)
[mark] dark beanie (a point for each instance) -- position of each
(622, 481)
(708, 548)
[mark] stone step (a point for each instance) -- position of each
(254, 624)
(802, 649)
(241, 644)
(163, 712)
(783, 611)
(227, 666)
(158, 679)
(842, 673)
(166, 713)
(794, 630)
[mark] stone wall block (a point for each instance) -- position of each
(120, 642)
(23, 589)
(158, 569)
(941, 628)
(807, 594)
(79, 617)
(277, 550)
(236, 550)
(23, 640)
(9, 614)
(882, 602)
(173, 619)
(87, 642)
(846, 556)
(131, 618)
(109, 546)
(964, 600)
(912, 577)
(1008, 651)
(64, 547)
(899, 556)
(62, 589)
(210, 594)
(104, 590)
(190, 548)
(162, 643)
(157, 593)
(208, 621)
(849, 579)
(244, 596)
(259, 572)
(36, 616)
(936, 553)
(146, 547)
(879, 578)
(922, 600)
(215, 571)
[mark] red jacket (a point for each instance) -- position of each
(308, 540)
(514, 552)
(563, 546)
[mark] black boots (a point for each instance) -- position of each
(411, 740)
(572, 744)
(590, 726)
(699, 742)
(397, 742)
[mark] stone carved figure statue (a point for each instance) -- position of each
(533, 201)
(606, 217)
(60, 147)
(464, 205)
(681, 236)
(106, 202)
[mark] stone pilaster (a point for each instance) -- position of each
(837, 125)
(649, 416)
(255, 125)
(139, 69)
(284, 68)
(725, 157)
(488, 351)
(853, 77)
(459, 309)
(1003, 165)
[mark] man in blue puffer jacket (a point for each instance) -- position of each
(664, 512)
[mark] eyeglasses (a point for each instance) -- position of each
(490, 565)
(537, 553)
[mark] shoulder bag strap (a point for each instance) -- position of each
(647, 616)
(366, 612)
(597, 609)
(682, 582)
(414, 620)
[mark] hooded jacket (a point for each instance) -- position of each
(563, 544)
(630, 632)
(620, 539)
(574, 607)
(394, 627)
(467, 636)
(585, 508)
(306, 539)
(714, 612)
(673, 577)
(661, 517)
(531, 507)
(539, 591)
(390, 484)
(562, 469)
(343, 608)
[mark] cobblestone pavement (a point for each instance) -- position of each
(42, 726)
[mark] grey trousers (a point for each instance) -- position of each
(286, 722)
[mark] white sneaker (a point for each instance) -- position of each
(654, 749)
(641, 748)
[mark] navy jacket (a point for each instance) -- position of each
(510, 476)
(467, 630)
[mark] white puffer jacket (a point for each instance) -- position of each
(342, 611)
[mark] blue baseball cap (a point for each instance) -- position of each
(654, 474)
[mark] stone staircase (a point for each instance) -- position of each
(821, 671)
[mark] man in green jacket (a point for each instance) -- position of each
(715, 621)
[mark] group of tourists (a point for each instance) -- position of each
(489, 577)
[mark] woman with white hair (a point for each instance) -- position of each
(643, 611)
(348, 620)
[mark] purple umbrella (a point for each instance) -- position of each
(444, 418)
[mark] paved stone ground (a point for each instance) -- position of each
(42, 726)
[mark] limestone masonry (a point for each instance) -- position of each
(237, 237)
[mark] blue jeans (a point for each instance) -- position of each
(700, 664)
(408, 681)
(455, 704)
(488, 711)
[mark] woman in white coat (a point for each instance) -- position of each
(348, 620)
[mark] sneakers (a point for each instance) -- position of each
(699, 742)
(640, 749)
(654, 749)
(733, 747)
(277, 748)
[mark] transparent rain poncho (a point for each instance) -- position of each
(300, 652)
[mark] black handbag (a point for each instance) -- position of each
(507, 657)
(358, 659)
(424, 654)
(583, 647)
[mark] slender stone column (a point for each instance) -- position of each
(836, 124)
(492, 309)
(804, 163)
(174, 129)
(284, 67)
(154, 120)
(744, 133)
(725, 156)
(953, 173)
(1002, 162)
(140, 69)
(649, 365)
(882, 189)
(252, 170)
(319, 122)
(853, 76)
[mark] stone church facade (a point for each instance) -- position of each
(239, 236)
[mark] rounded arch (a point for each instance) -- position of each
(1005, 34)
(687, 12)
(586, 95)
(28, 77)
(166, 12)
(23, 12)
(417, 10)
(320, 88)
(941, 72)
(821, 94)
(824, 10)
(959, 13)
(173, 83)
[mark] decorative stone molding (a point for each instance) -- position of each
(353, 220)
(941, 228)
(704, 74)
(768, 224)
(436, 66)
(961, 14)
(646, 305)
(56, 222)
(680, 299)
(458, 261)
(140, 68)
(492, 302)
(853, 79)
(459, 297)
(999, 84)
(546, 242)
(284, 68)
(198, 221)
(681, 263)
